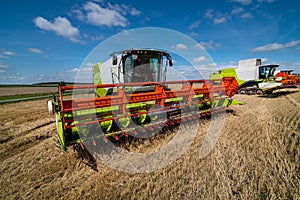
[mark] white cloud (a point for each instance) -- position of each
(219, 20)
(89, 64)
(3, 67)
(193, 34)
(180, 46)
(195, 25)
(207, 45)
(99, 16)
(94, 37)
(87, 68)
(209, 13)
(111, 16)
(269, 1)
(134, 12)
(125, 9)
(35, 50)
(8, 53)
(6, 77)
(97, 38)
(237, 10)
(263, 60)
(243, 2)
(199, 59)
(248, 2)
(246, 16)
(61, 26)
(74, 70)
(199, 46)
(276, 46)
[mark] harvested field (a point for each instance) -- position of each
(256, 157)
(7, 91)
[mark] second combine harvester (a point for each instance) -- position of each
(252, 76)
(137, 99)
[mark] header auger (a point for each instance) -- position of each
(132, 107)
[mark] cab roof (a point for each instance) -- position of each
(141, 51)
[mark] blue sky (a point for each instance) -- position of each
(49, 40)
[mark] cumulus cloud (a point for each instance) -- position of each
(3, 67)
(89, 64)
(237, 10)
(99, 16)
(111, 16)
(124, 9)
(193, 34)
(195, 25)
(134, 12)
(216, 17)
(276, 46)
(220, 20)
(199, 59)
(35, 50)
(246, 16)
(180, 46)
(8, 53)
(209, 13)
(243, 2)
(61, 26)
(12, 78)
(207, 45)
(248, 2)
(269, 1)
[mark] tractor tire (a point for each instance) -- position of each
(242, 91)
(259, 92)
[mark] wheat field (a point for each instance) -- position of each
(256, 157)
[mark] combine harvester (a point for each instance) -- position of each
(138, 100)
(252, 77)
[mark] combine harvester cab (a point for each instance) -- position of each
(252, 76)
(138, 101)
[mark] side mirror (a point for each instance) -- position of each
(114, 60)
(170, 62)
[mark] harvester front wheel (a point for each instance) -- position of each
(242, 91)
(259, 92)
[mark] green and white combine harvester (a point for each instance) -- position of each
(252, 76)
(131, 96)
